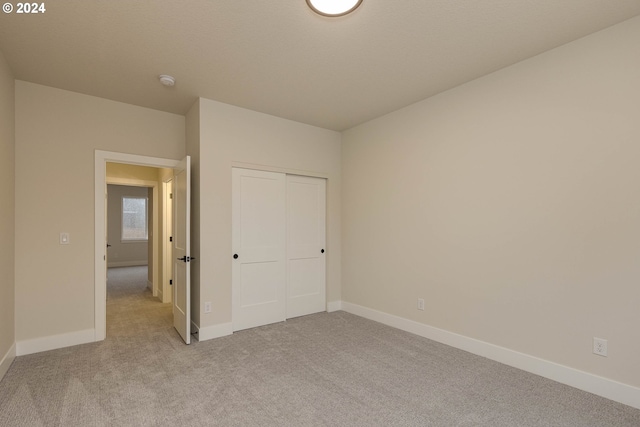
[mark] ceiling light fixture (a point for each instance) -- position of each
(333, 7)
(167, 80)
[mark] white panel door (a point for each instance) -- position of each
(181, 250)
(306, 284)
(258, 248)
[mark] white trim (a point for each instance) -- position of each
(100, 282)
(130, 182)
(334, 306)
(7, 360)
(116, 264)
(54, 342)
(287, 171)
(214, 331)
(610, 389)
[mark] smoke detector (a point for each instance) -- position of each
(167, 80)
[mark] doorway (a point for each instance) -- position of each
(131, 232)
(181, 283)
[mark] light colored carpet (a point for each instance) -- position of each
(325, 369)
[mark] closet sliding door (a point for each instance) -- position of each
(278, 247)
(306, 200)
(259, 248)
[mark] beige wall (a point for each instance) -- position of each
(234, 136)
(128, 253)
(131, 172)
(57, 133)
(511, 204)
(7, 254)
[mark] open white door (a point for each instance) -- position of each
(181, 249)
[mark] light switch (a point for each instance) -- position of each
(64, 239)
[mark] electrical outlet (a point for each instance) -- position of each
(599, 346)
(420, 304)
(207, 307)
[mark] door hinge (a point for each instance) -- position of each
(171, 281)
(171, 195)
(171, 238)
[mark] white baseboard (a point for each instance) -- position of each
(610, 389)
(54, 342)
(7, 360)
(111, 264)
(215, 331)
(334, 306)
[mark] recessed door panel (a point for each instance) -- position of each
(260, 284)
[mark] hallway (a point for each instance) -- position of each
(131, 308)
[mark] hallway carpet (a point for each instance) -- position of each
(320, 370)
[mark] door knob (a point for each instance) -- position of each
(235, 256)
(321, 251)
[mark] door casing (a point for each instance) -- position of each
(100, 270)
(167, 225)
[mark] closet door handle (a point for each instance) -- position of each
(235, 256)
(321, 251)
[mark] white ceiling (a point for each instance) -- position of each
(278, 57)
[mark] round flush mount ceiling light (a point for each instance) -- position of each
(333, 7)
(167, 80)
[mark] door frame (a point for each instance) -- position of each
(167, 227)
(100, 267)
